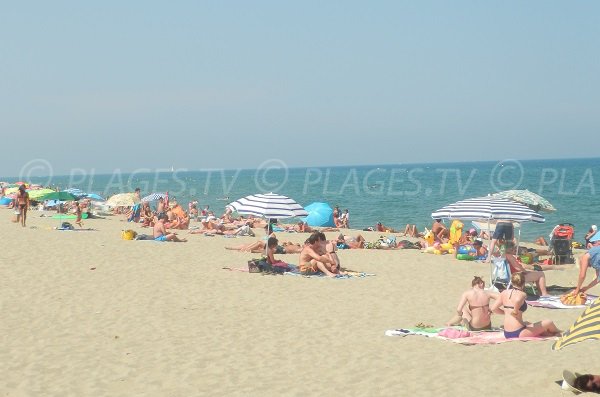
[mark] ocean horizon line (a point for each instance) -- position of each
(183, 170)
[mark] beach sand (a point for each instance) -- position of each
(89, 314)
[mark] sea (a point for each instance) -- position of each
(394, 194)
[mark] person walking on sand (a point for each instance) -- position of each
(78, 221)
(22, 201)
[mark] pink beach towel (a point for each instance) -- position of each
(475, 338)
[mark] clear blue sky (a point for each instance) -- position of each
(227, 84)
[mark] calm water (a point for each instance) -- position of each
(393, 194)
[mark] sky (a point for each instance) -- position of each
(231, 84)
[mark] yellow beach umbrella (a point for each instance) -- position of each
(586, 327)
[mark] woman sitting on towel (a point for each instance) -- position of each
(513, 302)
(473, 311)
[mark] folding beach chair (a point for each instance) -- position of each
(499, 274)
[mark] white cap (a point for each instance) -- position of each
(594, 227)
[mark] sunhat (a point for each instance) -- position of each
(595, 237)
(569, 381)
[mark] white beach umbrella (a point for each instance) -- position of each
(487, 209)
(154, 197)
(269, 205)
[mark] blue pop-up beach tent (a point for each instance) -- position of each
(319, 214)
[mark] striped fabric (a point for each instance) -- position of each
(269, 205)
(587, 326)
(154, 197)
(488, 208)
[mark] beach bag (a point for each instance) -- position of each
(66, 226)
(258, 265)
(128, 234)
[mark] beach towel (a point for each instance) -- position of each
(553, 302)
(476, 337)
(295, 272)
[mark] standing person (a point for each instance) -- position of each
(78, 221)
(22, 201)
(504, 231)
(590, 258)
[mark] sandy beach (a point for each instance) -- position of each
(88, 314)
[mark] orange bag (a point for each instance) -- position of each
(573, 300)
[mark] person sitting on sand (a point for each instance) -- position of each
(272, 249)
(537, 276)
(473, 310)
(411, 231)
(159, 231)
(302, 227)
(311, 261)
(147, 216)
(440, 231)
(379, 227)
(480, 251)
(513, 302)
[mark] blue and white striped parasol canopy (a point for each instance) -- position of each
(488, 208)
(154, 197)
(269, 205)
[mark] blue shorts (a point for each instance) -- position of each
(161, 238)
(504, 231)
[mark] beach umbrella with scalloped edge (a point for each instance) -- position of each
(530, 199)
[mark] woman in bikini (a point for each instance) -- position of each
(473, 310)
(22, 200)
(513, 302)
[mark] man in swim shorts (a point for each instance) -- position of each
(311, 261)
(159, 232)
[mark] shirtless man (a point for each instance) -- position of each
(440, 232)
(160, 232)
(22, 201)
(311, 261)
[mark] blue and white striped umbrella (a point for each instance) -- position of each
(488, 208)
(154, 197)
(269, 205)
